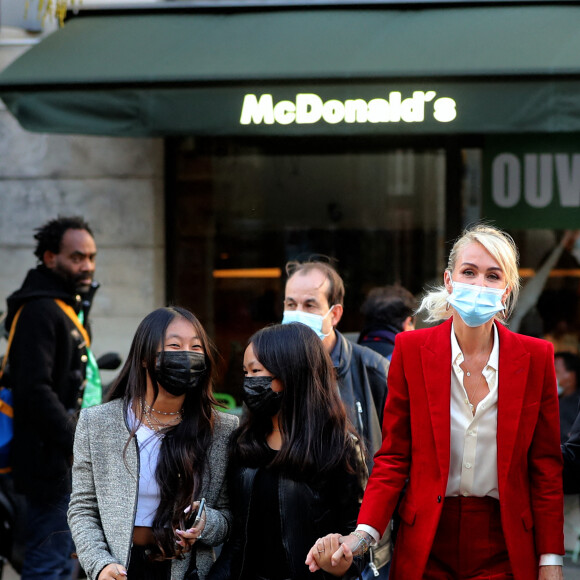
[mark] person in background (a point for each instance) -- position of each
(567, 373)
(296, 471)
(48, 367)
(571, 455)
(388, 310)
(314, 296)
(471, 424)
(144, 460)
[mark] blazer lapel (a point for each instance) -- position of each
(435, 358)
(514, 363)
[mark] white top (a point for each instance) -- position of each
(473, 459)
(149, 443)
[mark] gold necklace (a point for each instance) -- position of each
(471, 397)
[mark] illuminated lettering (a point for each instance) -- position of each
(254, 111)
(379, 111)
(444, 110)
(413, 109)
(333, 111)
(355, 111)
(309, 108)
(395, 106)
(285, 112)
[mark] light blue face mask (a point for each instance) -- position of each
(476, 304)
(313, 321)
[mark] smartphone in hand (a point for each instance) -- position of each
(194, 517)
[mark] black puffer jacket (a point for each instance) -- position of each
(308, 511)
(46, 370)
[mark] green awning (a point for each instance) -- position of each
(326, 71)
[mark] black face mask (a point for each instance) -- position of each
(179, 371)
(259, 396)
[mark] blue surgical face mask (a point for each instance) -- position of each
(313, 321)
(476, 304)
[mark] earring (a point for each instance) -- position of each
(447, 307)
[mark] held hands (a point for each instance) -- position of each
(324, 555)
(334, 553)
(186, 538)
(113, 572)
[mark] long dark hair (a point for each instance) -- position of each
(182, 456)
(316, 434)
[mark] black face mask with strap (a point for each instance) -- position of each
(259, 396)
(180, 371)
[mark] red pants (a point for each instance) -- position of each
(469, 543)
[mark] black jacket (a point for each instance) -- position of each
(380, 340)
(571, 453)
(362, 381)
(308, 511)
(46, 370)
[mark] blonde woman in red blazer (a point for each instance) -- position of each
(471, 424)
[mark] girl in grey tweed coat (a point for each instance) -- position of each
(161, 401)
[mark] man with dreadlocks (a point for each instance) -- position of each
(50, 366)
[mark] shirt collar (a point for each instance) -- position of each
(457, 355)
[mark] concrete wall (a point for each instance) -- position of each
(117, 185)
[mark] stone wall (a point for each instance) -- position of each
(117, 185)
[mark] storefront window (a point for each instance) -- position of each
(242, 213)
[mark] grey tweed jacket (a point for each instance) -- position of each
(104, 491)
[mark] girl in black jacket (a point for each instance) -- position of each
(290, 458)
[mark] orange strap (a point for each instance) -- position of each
(6, 409)
(69, 311)
(10, 337)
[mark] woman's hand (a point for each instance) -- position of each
(321, 555)
(113, 572)
(186, 538)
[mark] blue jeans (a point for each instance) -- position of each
(49, 543)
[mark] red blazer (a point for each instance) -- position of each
(416, 442)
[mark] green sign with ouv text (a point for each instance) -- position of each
(532, 182)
